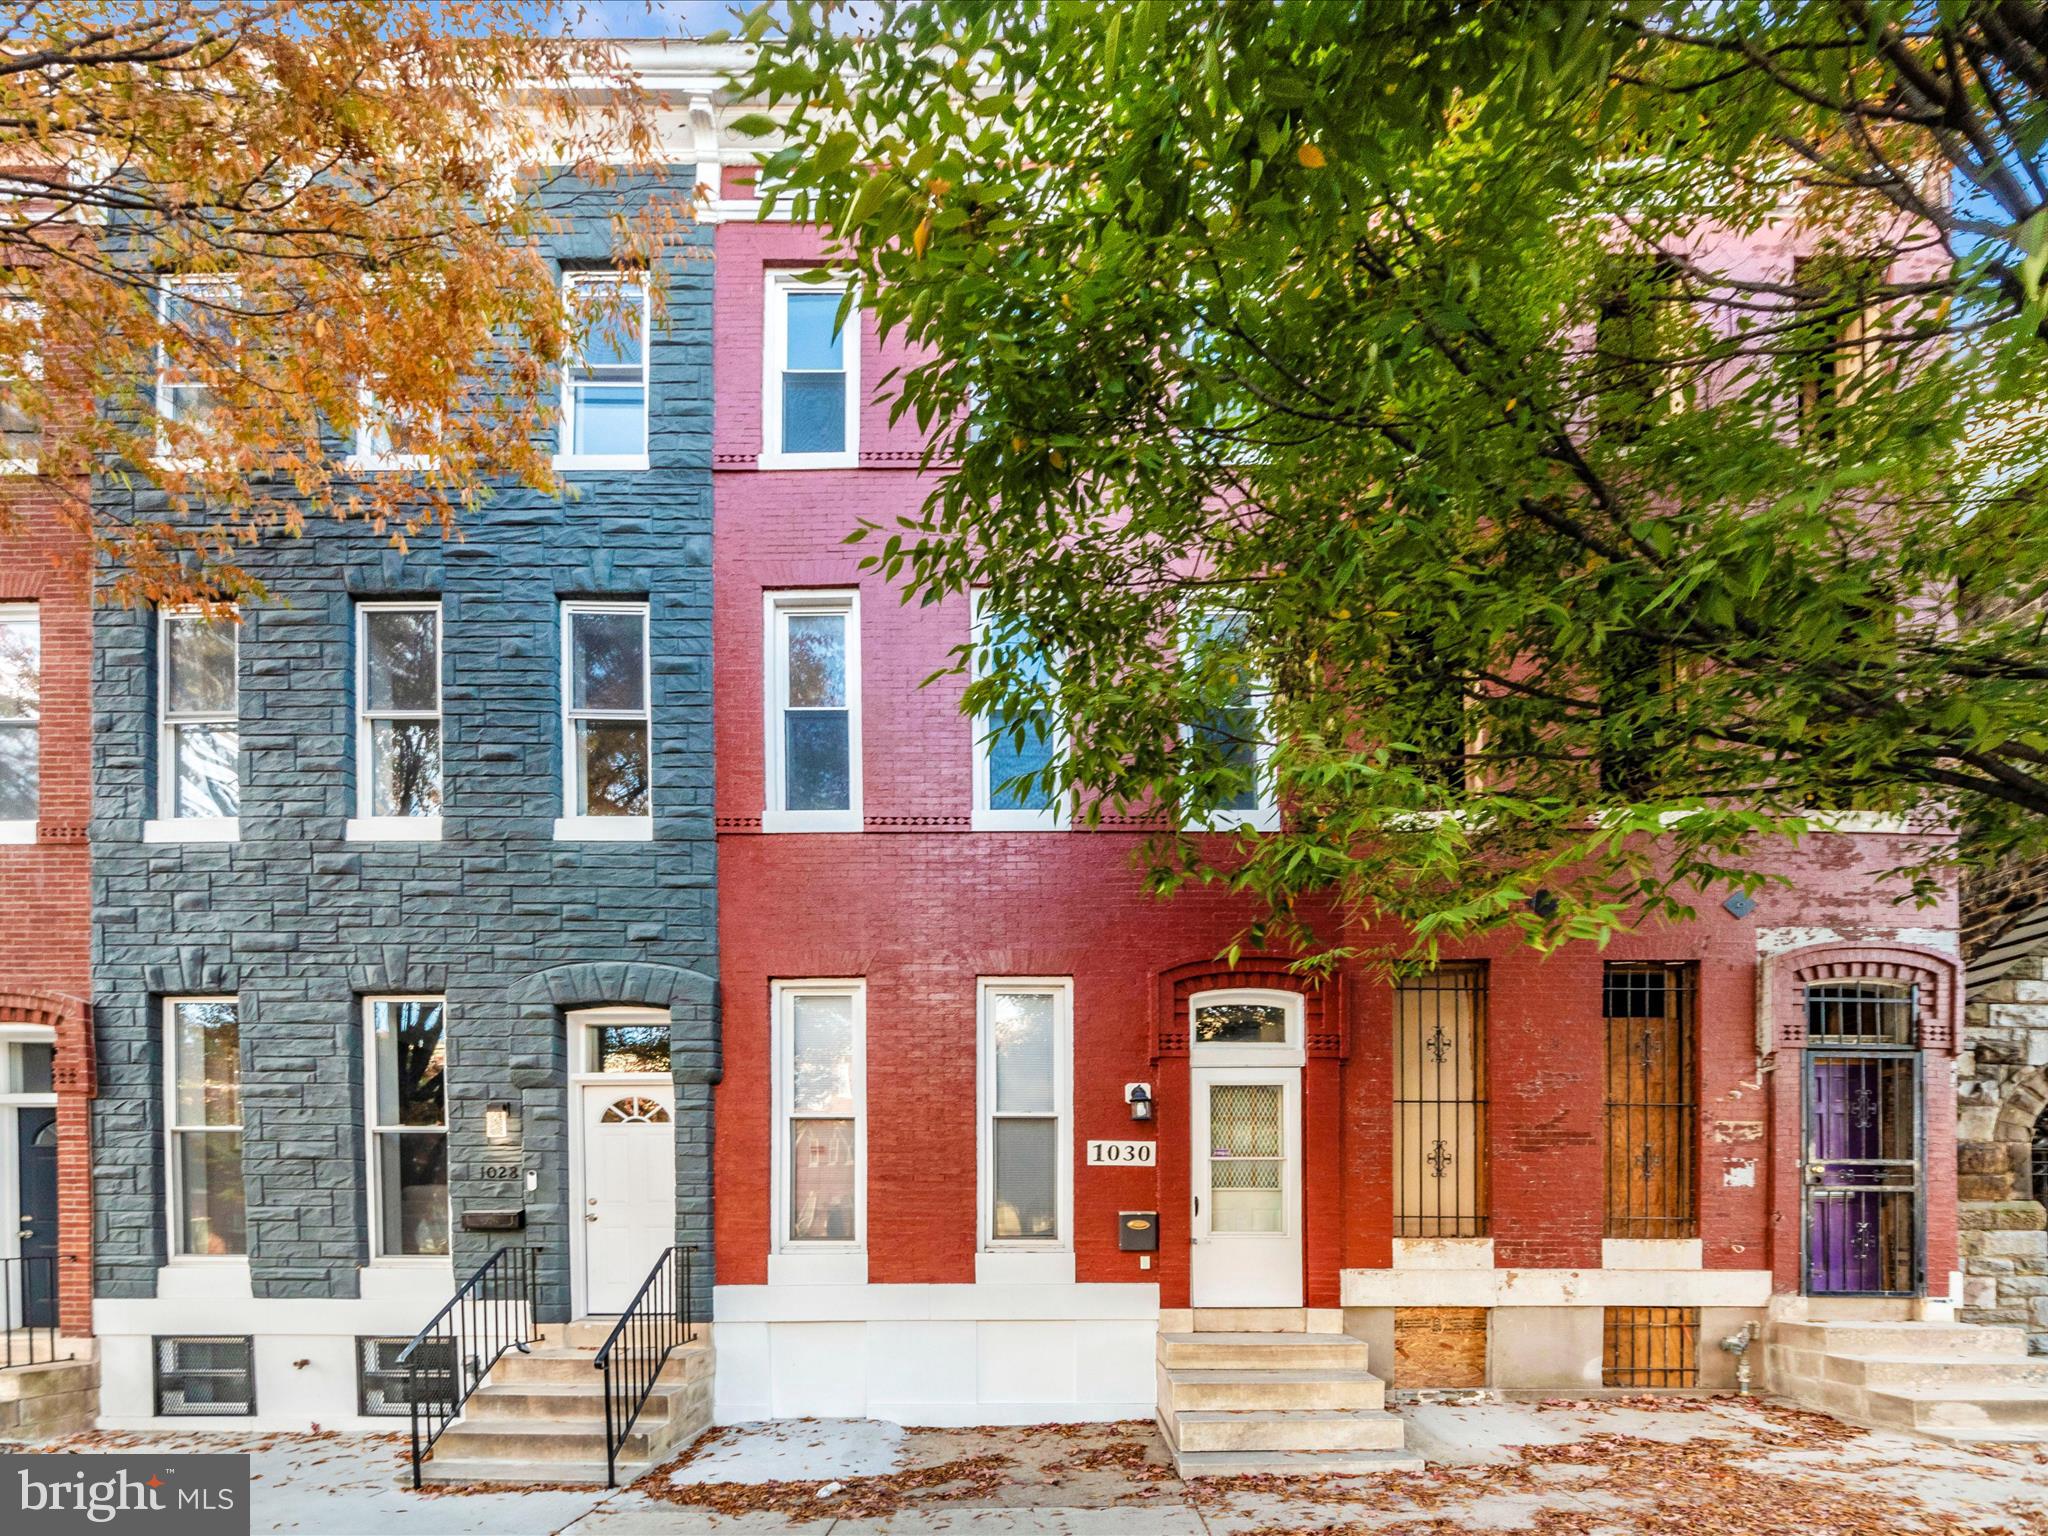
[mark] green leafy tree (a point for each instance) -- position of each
(1597, 489)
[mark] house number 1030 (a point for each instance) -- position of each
(1123, 1154)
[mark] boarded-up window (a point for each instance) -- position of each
(1440, 1103)
(1439, 1347)
(1652, 1101)
(1651, 1347)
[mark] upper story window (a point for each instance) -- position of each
(199, 742)
(820, 1096)
(813, 690)
(1229, 745)
(389, 439)
(199, 311)
(21, 713)
(1027, 1104)
(605, 384)
(407, 1045)
(811, 406)
(203, 1086)
(1013, 751)
(606, 746)
(21, 435)
(398, 715)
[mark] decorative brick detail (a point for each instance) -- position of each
(1322, 1006)
(1936, 976)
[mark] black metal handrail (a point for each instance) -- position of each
(450, 1357)
(656, 1320)
(28, 1310)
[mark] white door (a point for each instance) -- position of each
(629, 1187)
(1247, 1187)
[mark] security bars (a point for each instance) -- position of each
(1650, 1347)
(1652, 1101)
(1440, 1103)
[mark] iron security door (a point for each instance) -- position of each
(1862, 1173)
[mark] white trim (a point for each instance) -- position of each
(574, 815)
(373, 1181)
(366, 816)
(1443, 1253)
(392, 829)
(580, 1022)
(362, 460)
(1061, 990)
(192, 829)
(31, 367)
(1290, 1052)
(1556, 1287)
(18, 831)
(985, 818)
(604, 829)
(173, 1193)
(564, 458)
(195, 282)
(1095, 1301)
(27, 617)
(1264, 814)
(167, 734)
(776, 608)
(1012, 1265)
(782, 996)
(1652, 1253)
(775, 350)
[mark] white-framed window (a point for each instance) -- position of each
(607, 745)
(810, 406)
(387, 439)
(820, 1152)
(813, 692)
(398, 720)
(1246, 1027)
(1233, 739)
(203, 1120)
(21, 434)
(199, 699)
(1013, 752)
(605, 384)
(405, 1042)
(21, 716)
(1026, 1075)
(201, 310)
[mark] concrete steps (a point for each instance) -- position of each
(1252, 1393)
(1957, 1381)
(539, 1416)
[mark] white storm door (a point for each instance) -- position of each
(1247, 1187)
(629, 1187)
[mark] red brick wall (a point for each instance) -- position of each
(920, 906)
(45, 886)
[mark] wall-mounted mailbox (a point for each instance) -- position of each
(513, 1220)
(1137, 1231)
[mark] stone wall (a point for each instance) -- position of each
(2002, 1088)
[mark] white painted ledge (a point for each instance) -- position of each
(811, 821)
(1092, 1302)
(193, 829)
(769, 460)
(393, 829)
(1556, 1287)
(17, 831)
(604, 829)
(1652, 1253)
(1443, 1253)
(838, 1268)
(600, 463)
(1015, 1267)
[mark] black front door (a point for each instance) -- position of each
(36, 1158)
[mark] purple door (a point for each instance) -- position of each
(1862, 1173)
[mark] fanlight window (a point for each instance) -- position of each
(634, 1110)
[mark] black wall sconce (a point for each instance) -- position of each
(1139, 1097)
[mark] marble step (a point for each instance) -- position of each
(1299, 1430)
(1249, 1390)
(1262, 1352)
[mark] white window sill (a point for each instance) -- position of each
(839, 1266)
(396, 464)
(772, 460)
(1024, 1266)
(1265, 818)
(810, 821)
(1020, 821)
(604, 829)
(393, 829)
(176, 465)
(193, 829)
(18, 467)
(601, 461)
(17, 831)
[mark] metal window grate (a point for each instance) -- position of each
(1440, 1103)
(1862, 1013)
(1652, 1100)
(384, 1387)
(2040, 1185)
(207, 1375)
(1650, 1347)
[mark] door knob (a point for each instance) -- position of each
(590, 1215)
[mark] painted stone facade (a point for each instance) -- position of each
(507, 918)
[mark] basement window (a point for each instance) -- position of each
(210, 1376)
(384, 1387)
(1650, 1347)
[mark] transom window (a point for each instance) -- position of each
(810, 410)
(21, 710)
(606, 683)
(821, 1100)
(200, 745)
(398, 689)
(813, 686)
(1876, 1013)
(605, 389)
(619, 1040)
(1245, 1026)
(1026, 1093)
(408, 1068)
(203, 1087)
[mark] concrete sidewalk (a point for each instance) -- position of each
(1661, 1467)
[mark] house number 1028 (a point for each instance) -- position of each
(1123, 1154)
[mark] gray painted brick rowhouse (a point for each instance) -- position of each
(512, 926)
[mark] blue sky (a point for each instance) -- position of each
(651, 18)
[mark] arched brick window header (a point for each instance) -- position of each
(71, 1017)
(1935, 977)
(1322, 1008)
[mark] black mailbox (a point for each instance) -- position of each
(513, 1220)
(1137, 1231)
